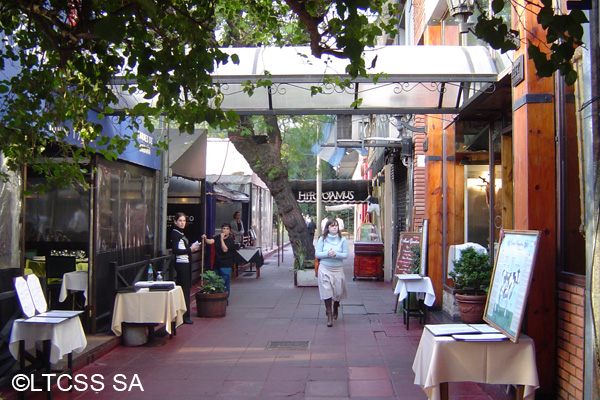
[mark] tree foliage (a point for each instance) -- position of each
(60, 61)
(563, 34)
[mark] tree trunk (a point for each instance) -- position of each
(264, 157)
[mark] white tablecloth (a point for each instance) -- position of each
(442, 359)
(421, 286)
(76, 280)
(160, 307)
(65, 337)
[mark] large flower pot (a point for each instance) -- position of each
(211, 305)
(471, 307)
(305, 277)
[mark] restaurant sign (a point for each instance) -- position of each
(332, 191)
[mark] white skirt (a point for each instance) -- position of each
(332, 283)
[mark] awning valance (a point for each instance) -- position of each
(416, 79)
(333, 191)
(224, 193)
(410, 80)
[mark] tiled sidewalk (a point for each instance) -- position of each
(367, 354)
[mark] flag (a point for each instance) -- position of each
(333, 155)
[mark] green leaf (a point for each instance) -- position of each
(497, 6)
(111, 28)
(571, 77)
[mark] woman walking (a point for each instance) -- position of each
(331, 250)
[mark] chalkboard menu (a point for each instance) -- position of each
(405, 254)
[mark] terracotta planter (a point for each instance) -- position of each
(211, 305)
(471, 307)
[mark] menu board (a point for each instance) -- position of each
(30, 295)
(511, 279)
(405, 254)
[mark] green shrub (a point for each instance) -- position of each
(472, 271)
(212, 283)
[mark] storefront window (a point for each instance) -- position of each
(126, 204)
(476, 190)
(56, 221)
(478, 204)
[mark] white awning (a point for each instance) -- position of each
(416, 79)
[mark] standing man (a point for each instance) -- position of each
(340, 222)
(224, 249)
(310, 225)
(323, 222)
(237, 227)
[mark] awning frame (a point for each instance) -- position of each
(431, 80)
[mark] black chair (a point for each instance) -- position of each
(56, 267)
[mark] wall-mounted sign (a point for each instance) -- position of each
(517, 74)
(144, 155)
(332, 191)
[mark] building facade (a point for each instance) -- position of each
(521, 156)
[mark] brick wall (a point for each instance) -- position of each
(419, 20)
(418, 178)
(570, 331)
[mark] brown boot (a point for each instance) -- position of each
(328, 313)
(336, 305)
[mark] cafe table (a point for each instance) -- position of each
(249, 255)
(422, 286)
(149, 307)
(75, 281)
(414, 283)
(443, 359)
(64, 336)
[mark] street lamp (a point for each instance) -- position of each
(461, 10)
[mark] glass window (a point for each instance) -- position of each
(126, 207)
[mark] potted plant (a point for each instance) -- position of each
(304, 270)
(211, 297)
(472, 275)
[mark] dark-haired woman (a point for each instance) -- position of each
(331, 250)
(180, 246)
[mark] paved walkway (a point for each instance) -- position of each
(367, 354)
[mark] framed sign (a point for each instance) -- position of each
(405, 254)
(511, 279)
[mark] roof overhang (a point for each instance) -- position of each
(414, 79)
(187, 154)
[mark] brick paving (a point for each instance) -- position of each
(367, 354)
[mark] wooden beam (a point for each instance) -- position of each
(535, 198)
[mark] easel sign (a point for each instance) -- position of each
(405, 254)
(511, 279)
